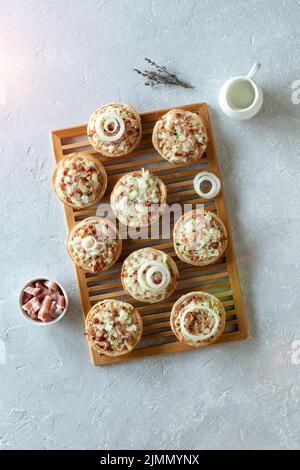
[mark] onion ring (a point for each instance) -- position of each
(212, 179)
(201, 337)
(146, 281)
(109, 118)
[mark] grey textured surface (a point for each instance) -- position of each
(58, 61)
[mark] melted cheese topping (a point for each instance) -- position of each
(94, 246)
(127, 140)
(181, 136)
(197, 318)
(137, 198)
(131, 278)
(199, 237)
(113, 326)
(78, 181)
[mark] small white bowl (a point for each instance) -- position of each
(36, 322)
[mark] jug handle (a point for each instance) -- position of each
(254, 69)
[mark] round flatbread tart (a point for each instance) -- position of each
(138, 198)
(200, 237)
(180, 136)
(79, 180)
(149, 275)
(94, 244)
(114, 129)
(198, 319)
(113, 327)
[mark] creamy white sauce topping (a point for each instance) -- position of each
(198, 319)
(113, 326)
(148, 274)
(78, 181)
(137, 198)
(94, 245)
(117, 136)
(199, 236)
(181, 136)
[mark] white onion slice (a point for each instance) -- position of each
(212, 179)
(141, 280)
(201, 337)
(154, 267)
(108, 119)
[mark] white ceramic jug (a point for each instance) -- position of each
(240, 97)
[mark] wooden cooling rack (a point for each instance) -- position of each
(220, 279)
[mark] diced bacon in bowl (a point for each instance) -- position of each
(43, 301)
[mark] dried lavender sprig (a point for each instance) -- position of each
(160, 68)
(162, 75)
(164, 70)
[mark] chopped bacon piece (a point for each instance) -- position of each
(44, 315)
(61, 302)
(32, 314)
(40, 284)
(47, 302)
(44, 312)
(53, 311)
(32, 304)
(52, 286)
(49, 310)
(32, 290)
(58, 311)
(32, 307)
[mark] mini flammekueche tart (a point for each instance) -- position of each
(94, 244)
(114, 129)
(138, 198)
(79, 180)
(113, 327)
(200, 237)
(198, 319)
(180, 136)
(149, 275)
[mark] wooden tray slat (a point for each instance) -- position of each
(220, 278)
(190, 280)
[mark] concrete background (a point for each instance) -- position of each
(58, 61)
